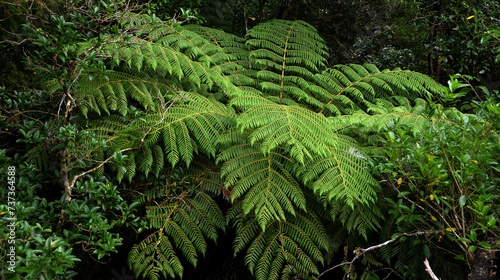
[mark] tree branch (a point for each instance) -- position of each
(429, 270)
(359, 252)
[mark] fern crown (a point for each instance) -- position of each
(255, 120)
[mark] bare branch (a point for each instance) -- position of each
(429, 270)
(359, 252)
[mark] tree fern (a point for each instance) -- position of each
(255, 120)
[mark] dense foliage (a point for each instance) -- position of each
(158, 138)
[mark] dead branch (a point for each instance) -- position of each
(359, 252)
(429, 270)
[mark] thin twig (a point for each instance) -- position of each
(360, 251)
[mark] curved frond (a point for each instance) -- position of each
(286, 247)
(290, 53)
(263, 180)
(340, 175)
(195, 120)
(109, 92)
(418, 117)
(296, 42)
(190, 124)
(363, 84)
(183, 223)
(303, 131)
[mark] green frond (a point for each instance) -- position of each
(249, 99)
(153, 256)
(109, 91)
(363, 84)
(362, 218)
(205, 172)
(131, 168)
(232, 49)
(226, 55)
(182, 223)
(145, 159)
(157, 154)
(166, 60)
(193, 46)
(263, 180)
(296, 41)
(290, 53)
(388, 229)
(340, 175)
(304, 131)
(418, 117)
(191, 125)
(296, 244)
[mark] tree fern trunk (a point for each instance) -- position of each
(484, 267)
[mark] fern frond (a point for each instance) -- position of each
(233, 60)
(207, 174)
(296, 42)
(153, 256)
(263, 180)
(341, 175)
(184, 128)
(193, 46)
(165, 60)
(109, 91)
(233, 46)
(362, 84)
(183, 223)
(294, 245)
(191, 125)
(362, 218)
(290, 53)
(305, 132)
(419, 117)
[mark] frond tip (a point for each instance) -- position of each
(292, 247)
(182, 224)
(263, 180)
(304, 131)
(340, 175)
